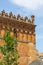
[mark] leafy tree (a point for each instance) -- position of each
(9, 50)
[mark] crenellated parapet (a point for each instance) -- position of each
(18, 17)
(22, 28)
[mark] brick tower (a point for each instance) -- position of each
(24, 30)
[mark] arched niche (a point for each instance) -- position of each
(12, 34)
(2, 32)
(29, 37)
(25, 37)
(20, 36)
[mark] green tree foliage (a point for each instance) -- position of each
(9, 50)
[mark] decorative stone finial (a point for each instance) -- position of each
(3, 12)
(18, 17)
(26, 19)
(32, 18)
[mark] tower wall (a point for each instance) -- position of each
(24, 30)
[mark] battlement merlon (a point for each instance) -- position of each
(17, 22)
(18, 17)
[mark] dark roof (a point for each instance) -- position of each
(37, 62)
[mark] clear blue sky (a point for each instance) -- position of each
(27, 8)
